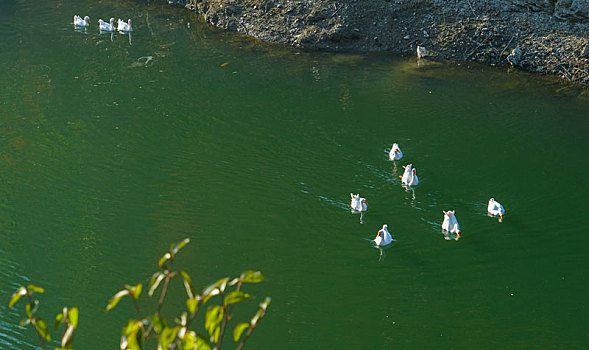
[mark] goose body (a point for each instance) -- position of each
(81, 22)
(358, 204)
(106, 27)
(409, 177)
(450, 223)
(395, 153)
(383, 237)
(495, 208)
(123, 26)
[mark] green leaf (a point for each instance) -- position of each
(215, 334)
(42, 328)
(188, 341)
(238, 330)
(116, 298)
(164, 259)
(32, 288)
(182, 320)
(265, 303)
(131, 327)
(24, 322)
(68, 336)
(213, 317)
(179, 246)
(220, 285)
(155, 282)
(158, 323)
(31, 308)
(132, 336)
(202, 343)
(72, 317)
(235, 297)
(167, 337)
(16, 295)
(256, 317)
(192, 304)
(214, 292)
(187, 284)
(261, 311)
(134, 291)
(251, 276)
(60, 318)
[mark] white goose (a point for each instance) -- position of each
(123, 26)
(106, 27)
(358, 204)
(395, 153)
(409, 177)
(495, 208)
(383, 237)
(450, 223)
(81, 22)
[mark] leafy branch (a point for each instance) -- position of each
(68, 317)
(181, 336)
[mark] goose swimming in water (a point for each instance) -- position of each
(81, 22)
(123, 26)
(358, 204)
(495, 208)
(395, 153)
(450, 223)
(106, 27)
(383, 237)
(409, 177)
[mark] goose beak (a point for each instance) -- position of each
(400, 177)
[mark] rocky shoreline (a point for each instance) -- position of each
(544, 36)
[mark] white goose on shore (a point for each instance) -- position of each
(495, 208)
(395, 153)
(106, 27)
(81, 22)
(383, 237)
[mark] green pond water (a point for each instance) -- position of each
(113, 147)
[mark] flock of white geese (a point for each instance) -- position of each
(449, 225)
(109, 26)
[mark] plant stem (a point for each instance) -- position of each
(226, 313)
(249, 331)
(160, 303)
(163, 295)
(136, 307)
(32, 321)
(222, 333)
